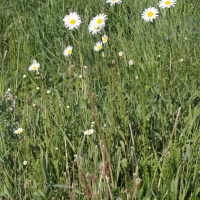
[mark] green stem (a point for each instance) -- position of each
(158, 49)
(144, 111)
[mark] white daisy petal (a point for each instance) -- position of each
(72, 21)
(98, 46)
(167, 3)
(18, 131)
(68, 51)
(150, 14)
(113, 2)
(34, 67)
(89, 132)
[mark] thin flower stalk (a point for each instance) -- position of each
(158, 49)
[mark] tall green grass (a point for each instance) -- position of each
(138, 107)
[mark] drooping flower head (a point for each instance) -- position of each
(105, 39)
(113, 2)
(97, 24)
(68, 51)
(34, 67)
(18, 131)
(89, 132)
(72, 21)
(166, 3)
(150, 14)
(94, 28)
(98, 46)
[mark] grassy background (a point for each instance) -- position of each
(123, 96)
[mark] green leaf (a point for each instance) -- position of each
(124, 163)
(58, 185)
(197, 191)
(82, 104)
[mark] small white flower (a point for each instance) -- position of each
(37, 88)
(18, 131)
(34, 105)
(92, 125)
(167, 3)
(50, 79)
(9, 89)
(24, 76)
(181, 59)
(68, 51)
(113, 2)
(150, 14)
(103, 54)
(121, 53)
(93, 122)
(25, 162)
(34, 67)
(136, 77)
(48, 91)
(130, 62)
(105, 39)
(80, 76)
(159, 56)
(98, 46)
(72, 21)
(56, 148)
(34, 61)
(68, 107)
(89, 132)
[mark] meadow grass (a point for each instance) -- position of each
(145, 116)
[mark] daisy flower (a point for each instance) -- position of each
(105, 39)
(97, 23)
(98, 46)
(113, 2)
(149, 14)
(72, 21)
(99, 19)
(166, 4)
(18, 131)
(120, 53)
(95, 28)
(89, 132)
(130, 62)
(25, 162)
(68, 51)
(34, 67)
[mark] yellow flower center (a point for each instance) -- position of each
(19, 131)
(150, 14)
(73, 21)
(167, 2)
(113, 0)
(88, 132)
(99, 47)
(34, 68)
(105, 39)
(96, 28)
(99, 21)
(69, 51)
